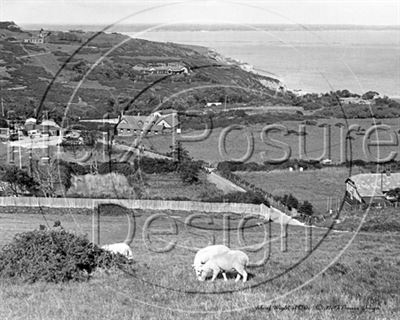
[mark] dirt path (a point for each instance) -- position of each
(223, 184)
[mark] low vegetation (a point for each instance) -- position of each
(323, 188)
(54, 255)
(359, 283)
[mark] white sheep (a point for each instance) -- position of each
(121, 248)
(233, 260)
(205, 254)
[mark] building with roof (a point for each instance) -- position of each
(36, 40)
(370, 187)
(159, 122)
(30, 124)
(49, 127)
(161, 68)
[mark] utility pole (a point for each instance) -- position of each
(2, 107)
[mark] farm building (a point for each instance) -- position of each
(161, 68)
(370, 187)
(49, 127)
(30, 124)
(36, 40)
(213, 104)
(163, 121)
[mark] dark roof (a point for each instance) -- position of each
(138, 122)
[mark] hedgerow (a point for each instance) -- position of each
(54, 255)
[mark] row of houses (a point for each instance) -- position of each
(161, 68)
(48, 127)
(39, 39)
(158, 122)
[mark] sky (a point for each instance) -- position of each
(358, 12)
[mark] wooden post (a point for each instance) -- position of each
(98, 225)
(308, 238)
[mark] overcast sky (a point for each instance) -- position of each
(364, 12)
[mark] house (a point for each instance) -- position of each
(370, 187)
(49, 127)
(159, 122)
(36, 40)
(160, 68)
(213, 104)
(326, 161)
(30, 124)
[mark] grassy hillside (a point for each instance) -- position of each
(315, 186)
(361, 284)
(103, 62)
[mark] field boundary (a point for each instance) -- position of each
(192, 206)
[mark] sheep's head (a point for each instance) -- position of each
(202, 273)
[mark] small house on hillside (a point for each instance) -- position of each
(161, 68)
(30, 124)
(163, 121)
(49, 127)
(370, 187)
(213, 104)
(36, 40)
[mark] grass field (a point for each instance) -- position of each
(294, 284)
(316, 186)
(236, 142)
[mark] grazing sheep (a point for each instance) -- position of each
(121, 248)
(233, 260)
(205, 254)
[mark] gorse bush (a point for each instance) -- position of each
(240, 197)
(54, 255)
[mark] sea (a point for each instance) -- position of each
(308, 61)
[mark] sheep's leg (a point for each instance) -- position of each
(241, 272)
(237, 277)
(215, 274)
(244, 274)
(224, 274)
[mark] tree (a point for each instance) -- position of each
(51, 177)
(19, 181)
(189, 171)
(370, 95)
(290, 201)
(306, 208)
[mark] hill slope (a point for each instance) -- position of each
(47, 74)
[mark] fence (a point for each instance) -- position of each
(76, 203)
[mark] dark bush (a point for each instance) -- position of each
(123, 168)
(189, 171)
(290, 201)
(150, 165)
(240, 197)
(306, 208)
(54, 255)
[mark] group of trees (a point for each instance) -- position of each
(305, 208)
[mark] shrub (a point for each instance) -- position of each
(240, 197)
(54, 255)
(306, 208)
(290, 201)
(19, 181)
(189, 171)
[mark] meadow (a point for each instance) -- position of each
(344, 275)
(313, 146)
(316, 186)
